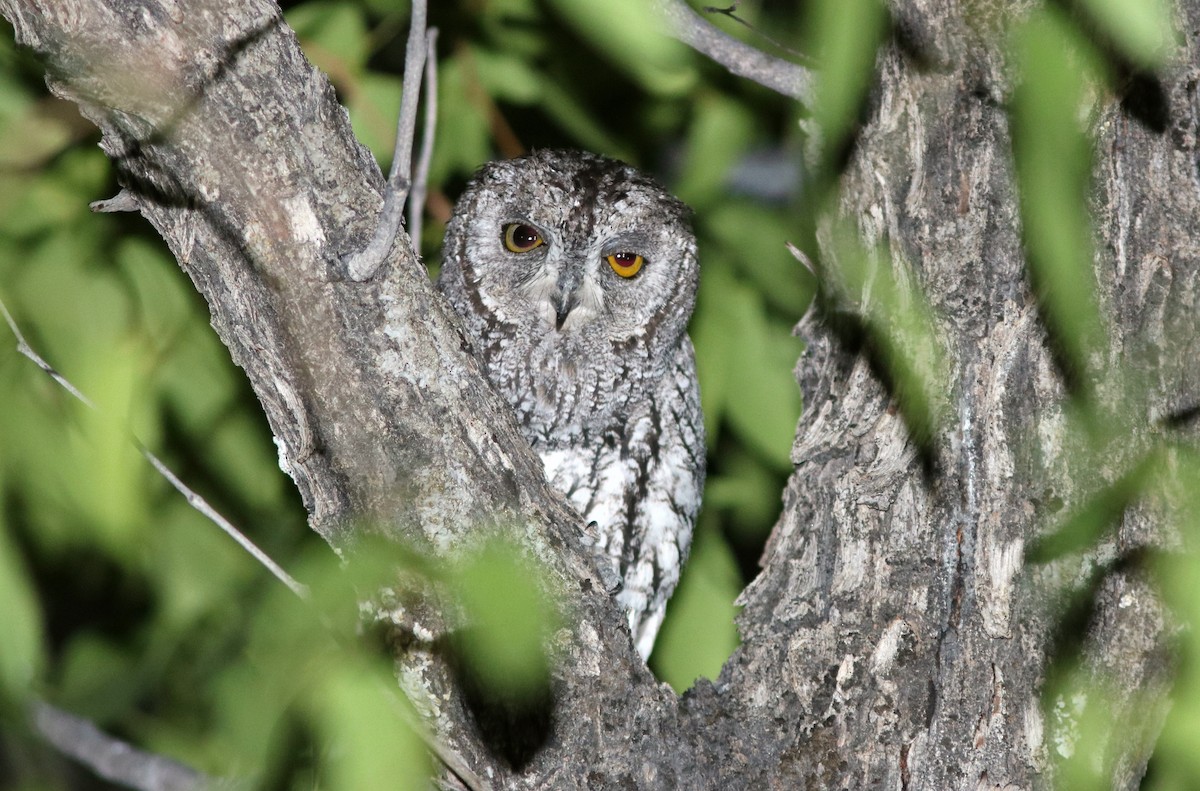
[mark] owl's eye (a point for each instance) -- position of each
(521, 238)
(625, 264)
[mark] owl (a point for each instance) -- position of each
(575, 277)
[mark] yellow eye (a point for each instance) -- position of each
(521, 238)
(625, 264)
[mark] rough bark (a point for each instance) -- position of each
(896, 638)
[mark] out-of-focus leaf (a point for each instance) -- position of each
(109, 478)
(754, 238)
(508, 621)
(507, 77)
(1176, 760)
(698, 634)
(844, 36)
(95, 677)
(330, 30)
(1053, 162)
(88, 171)
(720, 133)
(463, 125)
(900, 326)
(1142, 28)
(745, 362)
(31, 139)
(374, 106)
(37, 205)
(1099, 514)
(15, 98)
(248, 462)
(197, 565)
(515, 24)
(748, 492)
(629, 35)
(164, 309)
(714, 334)
(23, 654)
(357, 707)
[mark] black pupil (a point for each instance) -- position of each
(524, 236)
(625, 259)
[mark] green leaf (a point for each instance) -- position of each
(374, 106)
(331, 33)
(1141, 28)
(746, 493)
(629, 35)
(754, 238)
(464, 133)
(96, 678)
(357, 706)
(23, 653)
(714, 334)
(1053, 163)
(844, 35)
(900, 326)
(508, 78)
(698, 634)
(721, 131)
(109, 479)
(745, 366)
(508, 621)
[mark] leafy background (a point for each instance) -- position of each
(122, 604)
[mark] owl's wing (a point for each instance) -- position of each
(642, 488)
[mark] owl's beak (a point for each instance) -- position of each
(566, 296)
(563, 306)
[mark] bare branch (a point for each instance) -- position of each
(416, 204)
(363, 264)
(741, 59)
(193, 499)
(731, 13)
(113, 759)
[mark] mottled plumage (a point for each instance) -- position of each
(575, 276)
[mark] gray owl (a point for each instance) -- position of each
(575, 276)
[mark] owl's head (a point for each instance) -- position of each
(569, 242)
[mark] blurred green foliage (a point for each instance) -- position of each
(122, 604)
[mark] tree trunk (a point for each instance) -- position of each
(896, 637)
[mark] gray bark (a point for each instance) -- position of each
(895, 638)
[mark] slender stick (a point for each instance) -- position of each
(364, 263)
(742, 59)
(113, 759)
(416, 203)
(193, 499)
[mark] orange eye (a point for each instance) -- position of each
(521, 238)
(625, 264)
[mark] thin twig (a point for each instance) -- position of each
(113, 759)
(802, 257)
(731, 12)
(194, 500)
(364, 263)
(416, 202)
(779, 75)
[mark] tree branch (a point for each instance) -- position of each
(242, 159)
(416, 203)
(113, 759)
(364, 263)
(741, 59)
